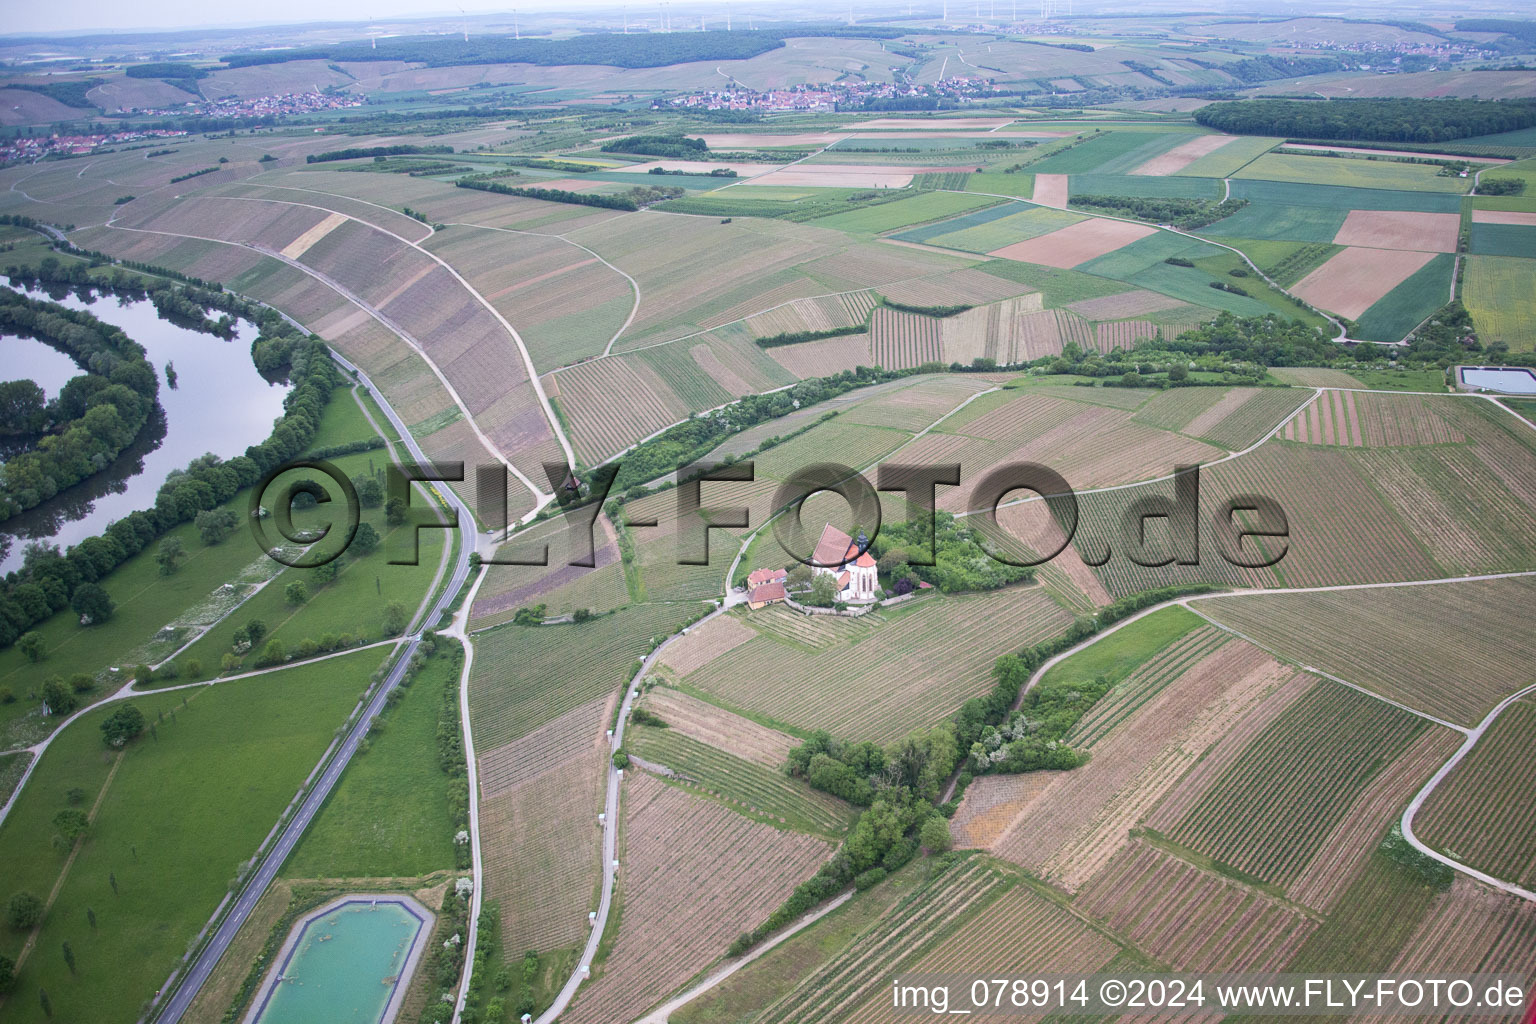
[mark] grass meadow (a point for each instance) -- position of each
(388, 816)
(174, 816)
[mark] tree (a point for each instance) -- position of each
(7, 973)
(170, 555)
(216, 524)
(395, 618)
(143, 675)
(255, 630)
(69, 956)
(31, 644)
(124, 724)
(394, 511)
(370, 493)
(823, 591)
(57, 696)
(23, 911)
(92, 604)
(1178, 372)
(800, 575)
(194, 668)
(82, 682)
(42, 998)
(935, 834)
(296, 593)
(90, 917)
(366, 540)
(72, 824)
(273, 654)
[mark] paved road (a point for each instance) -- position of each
(262, 877)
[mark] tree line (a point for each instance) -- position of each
(1381, 120)
(95, 416)
(355, 153)
(51, 580)
(677, 147)
(1181, 213)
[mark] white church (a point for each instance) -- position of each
(847, 560)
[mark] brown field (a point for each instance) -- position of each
(542, 851)
(749, 140)
(1182, 155)
(509, 587)
(882, 695)
(1376, 421)
(1354, 279)
(1484, 812)
(719, 728)
(823, 358)
(1126, 304)
(991, 804)
(705, 643)
(1315, 377)
(991, 331)
(1472, 928)
(1398, 229)
(1503, 217)
(928, 124)
(1076, 243)
(693, 875)
(1412, 644)
(901, 340)
(1051, 190)
(299, 246)
(614, 403)
(1083, 819)
(956, 286)
(1194, 919)
(1019, 931)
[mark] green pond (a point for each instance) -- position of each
(345, 966)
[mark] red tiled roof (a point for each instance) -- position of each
(758, 577)
(924, 585)
(865, 561)
(832, 548)
(768, 593)
(842, 579)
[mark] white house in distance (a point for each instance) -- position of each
(848, 561)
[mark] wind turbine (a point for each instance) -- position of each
(464, 24)
(517, 33)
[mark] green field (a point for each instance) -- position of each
(1144, 185)
(956, 225)
(919, 209)
(147, 601)
(1401, 309)
(1504, 240)
(175, 816)
(1373, 174)
(388, 817)
(1229, 159)
(1340, 198)
(1192, 284)
(1266, 221)
(1371, 922)
(1116, 655)
(1112, 152)
(1017, 226)
(1059, 287)
(1001, 184)
(1498, 291)
(759, 792)
(523, 676)
(1145, 253)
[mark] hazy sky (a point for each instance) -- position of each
(76, 15)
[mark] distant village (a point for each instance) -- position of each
(282, 104)
(825, 97)
(30, 148)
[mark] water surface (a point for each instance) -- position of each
(220, 405)
(344, 967)
(1517, 381)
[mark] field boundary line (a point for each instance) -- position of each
(458, 630)
(529, 368)
(635, 285)
(539, 497)
(1167, 476)
(1429, 787)
(1314, 670)
(1343, 334)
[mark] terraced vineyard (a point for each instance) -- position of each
(842, 983)
(524, 676)
(759, 792)
(1270, 812)
(1484, 812)
(874, 688)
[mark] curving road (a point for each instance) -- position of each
(197, 975)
